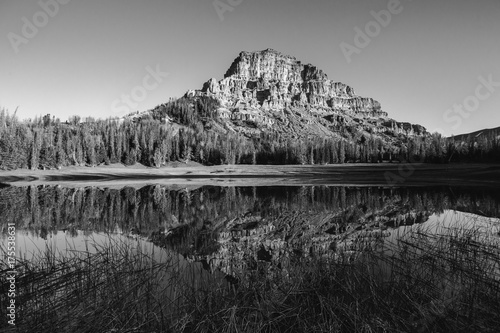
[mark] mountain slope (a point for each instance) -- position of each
(271, 109)
(484, 133)
(267, 89)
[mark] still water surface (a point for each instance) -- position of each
(226, 229)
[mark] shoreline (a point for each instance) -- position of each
(254, 175)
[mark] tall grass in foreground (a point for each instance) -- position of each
(447, 281)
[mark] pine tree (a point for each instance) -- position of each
(35, 150)
(341, 152)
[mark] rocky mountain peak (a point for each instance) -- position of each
(270, 64)
(269, 80)
(270, 92)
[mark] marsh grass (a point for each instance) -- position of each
(445, 280)
(116, 286)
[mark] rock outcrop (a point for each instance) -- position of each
(269, 80)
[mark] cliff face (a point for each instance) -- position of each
(269, 80)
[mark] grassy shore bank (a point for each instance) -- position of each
(422, 282)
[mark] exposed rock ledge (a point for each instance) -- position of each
(268, 80)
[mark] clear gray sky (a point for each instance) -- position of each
(83, 56)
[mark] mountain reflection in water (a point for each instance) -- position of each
(234, 228)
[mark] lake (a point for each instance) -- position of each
(220, 225)
(236, 235)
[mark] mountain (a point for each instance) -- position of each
(478, 146)
(268, 90)
(268, 80)
(484, 133)
(268, 109)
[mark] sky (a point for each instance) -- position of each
(430, 62)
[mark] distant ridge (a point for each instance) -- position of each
(488, 132)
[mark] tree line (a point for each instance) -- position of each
(44, 209)
(185, 130)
